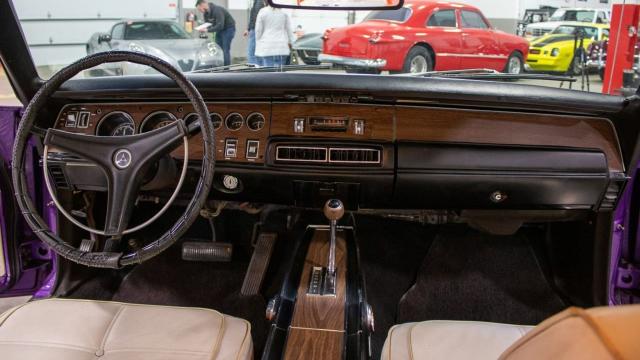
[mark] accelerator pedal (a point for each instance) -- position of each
(207, 251)
(259, 264)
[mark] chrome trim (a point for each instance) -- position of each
(349, 61)
(149, 116)
(126, 114)
(227, 118)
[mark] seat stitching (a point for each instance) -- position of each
(216, 346)
(109, 328)
(10, 312)
(48, 344)
(391, 340)
(246, 331)
(146, 350)
(411, 341)
(131, 304)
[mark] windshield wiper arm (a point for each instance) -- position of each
(488, 74)
(253, 68)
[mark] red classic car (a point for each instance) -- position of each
(424, 35)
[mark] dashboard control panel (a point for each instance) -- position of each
(241, 129)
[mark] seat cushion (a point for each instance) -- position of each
(450, 340)
(81, 329)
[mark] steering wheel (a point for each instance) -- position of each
(123, 159)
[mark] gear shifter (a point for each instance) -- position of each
(333, 211)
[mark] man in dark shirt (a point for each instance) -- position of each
(222, 24)
(251, 33)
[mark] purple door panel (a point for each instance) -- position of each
(30, 264)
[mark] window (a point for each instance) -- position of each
(7, 96)
(400, 15)
(444, 18)
(117, 33)
(473, 20)
(154, 30)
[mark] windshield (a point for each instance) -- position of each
(400, 15)
(573, 15)
(154, 31)
(589, 32)
(437, 38)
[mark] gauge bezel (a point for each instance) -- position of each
(226, 119)
(264, 120)
(142, 130)
(222, 120)
(128, 117)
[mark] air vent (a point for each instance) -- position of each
(610, 196)
(57, 175)
(354, 156)
(301, 154)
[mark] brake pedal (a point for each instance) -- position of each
(259, 264)
(207, 251)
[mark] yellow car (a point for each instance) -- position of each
(556, 51)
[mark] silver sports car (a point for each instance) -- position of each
(162, 38)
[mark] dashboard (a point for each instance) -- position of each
(382, 156)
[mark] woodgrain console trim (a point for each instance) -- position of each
(318, 325)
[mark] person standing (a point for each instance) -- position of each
(222, 24)
(251, 32)
(274, 36)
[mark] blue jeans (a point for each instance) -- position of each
(251, 50)
(223, 39)
(270, 61)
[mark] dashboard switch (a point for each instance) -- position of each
(231, 148)
(252, 149)
(298, 125)
(358, 127)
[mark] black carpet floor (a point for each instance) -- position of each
(390, 254)
(468, 275)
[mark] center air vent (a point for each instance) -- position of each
(354, 156)
(301, 154)
(328, 155)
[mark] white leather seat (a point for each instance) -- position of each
(450, 340)
(601, 333)
(81, 329)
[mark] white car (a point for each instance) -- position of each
(560, 16)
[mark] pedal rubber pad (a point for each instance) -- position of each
(207, 251)
(259, 264)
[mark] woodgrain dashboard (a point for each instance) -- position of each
(237, 142)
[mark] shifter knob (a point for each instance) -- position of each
(334, 210)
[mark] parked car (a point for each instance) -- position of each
(533, 16)
(560, 50)
(162, 38)
(597, 57)
(424, 35)
(592, 16)
(308, 47)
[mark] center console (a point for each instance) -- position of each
(321, 312)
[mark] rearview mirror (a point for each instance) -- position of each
(104, 38)
(338, 4)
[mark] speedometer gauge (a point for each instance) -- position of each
(125, 129)
(116, 123)
(156, 120)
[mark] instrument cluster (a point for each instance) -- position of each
(241, 129)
